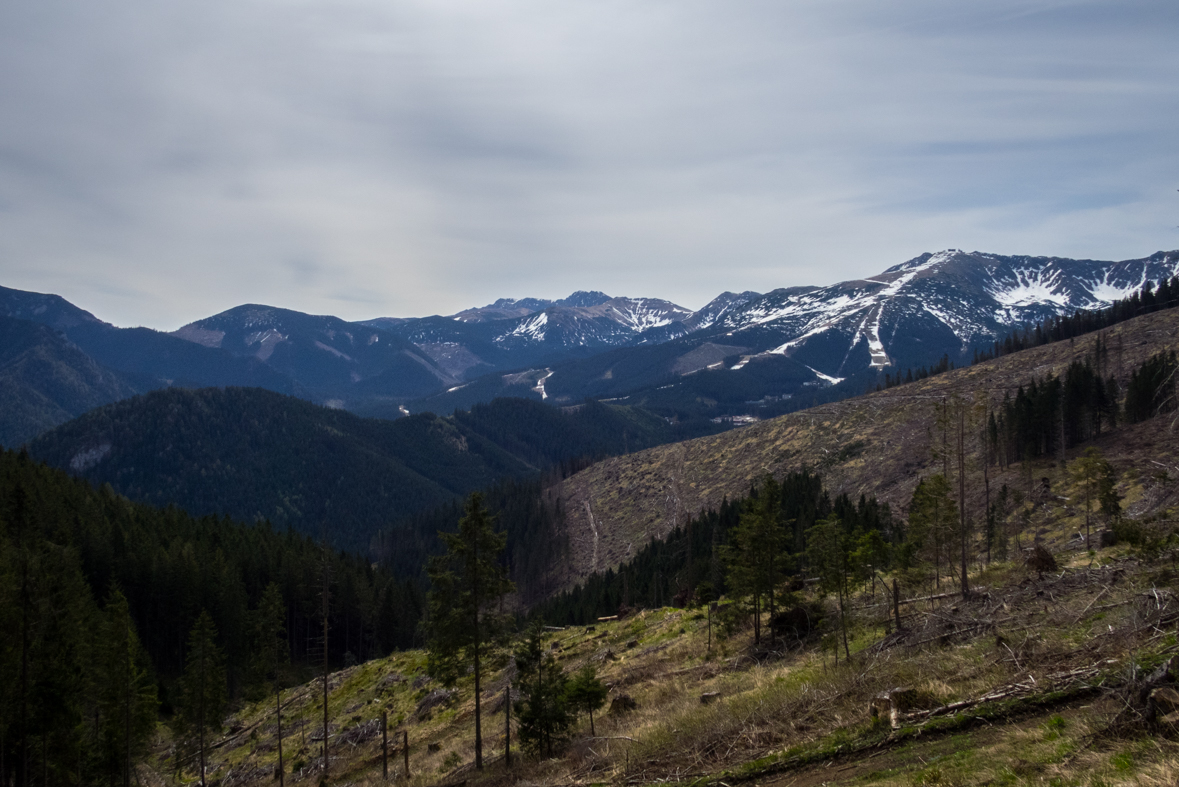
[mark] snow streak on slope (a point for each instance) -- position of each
(641, 314)
(532, 328)
(822, 306)
(875, 346)
(540, 384)
(911, 273)
(1105, 292)
(826, 377)
(822, 310)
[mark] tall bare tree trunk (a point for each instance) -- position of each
(22, 752)
(508, 725)
(478, 676)
(201, 716)
(985, 440)
(127, 713)
(278, 714)
(326, 608)
(962, 493)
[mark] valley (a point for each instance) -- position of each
(743, 597)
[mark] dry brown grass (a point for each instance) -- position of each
(895, 431)
(1036, 630)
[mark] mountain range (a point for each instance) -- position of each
(742, 356)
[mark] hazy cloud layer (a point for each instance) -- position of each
(160, 162)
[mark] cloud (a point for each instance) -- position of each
(162, 161)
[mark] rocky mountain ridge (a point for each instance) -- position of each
(742, 356)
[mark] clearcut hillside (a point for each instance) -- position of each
(878, 444)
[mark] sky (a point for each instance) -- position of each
(164, 161)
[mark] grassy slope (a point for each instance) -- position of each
(879, 444)
(1065, 647)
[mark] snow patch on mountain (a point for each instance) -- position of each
(1105, 292)
(1029, 288)
(960, 321)
(818, 305)
(717, 308)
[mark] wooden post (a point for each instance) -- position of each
(385, 745)
(405, 751)
(508, 724)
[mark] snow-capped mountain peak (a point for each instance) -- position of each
(950, 299)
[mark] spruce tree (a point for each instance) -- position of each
(754, 554)
(202, 689)
(127, 692)
(931, 522)
(585, 693)
(1096, 478)
(829, 552)
(465, 583)
(272, 652)
(543, 710)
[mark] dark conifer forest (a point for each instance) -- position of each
(87, 578)
(690, 565)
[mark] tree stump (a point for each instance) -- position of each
(892, 704)
(623, 703)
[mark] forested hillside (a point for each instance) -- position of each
(45, 380)
(257, 455)
(86, 575)
(713, 555)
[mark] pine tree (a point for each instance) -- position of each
(464, 585)
(202, 689)
(46, 604)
